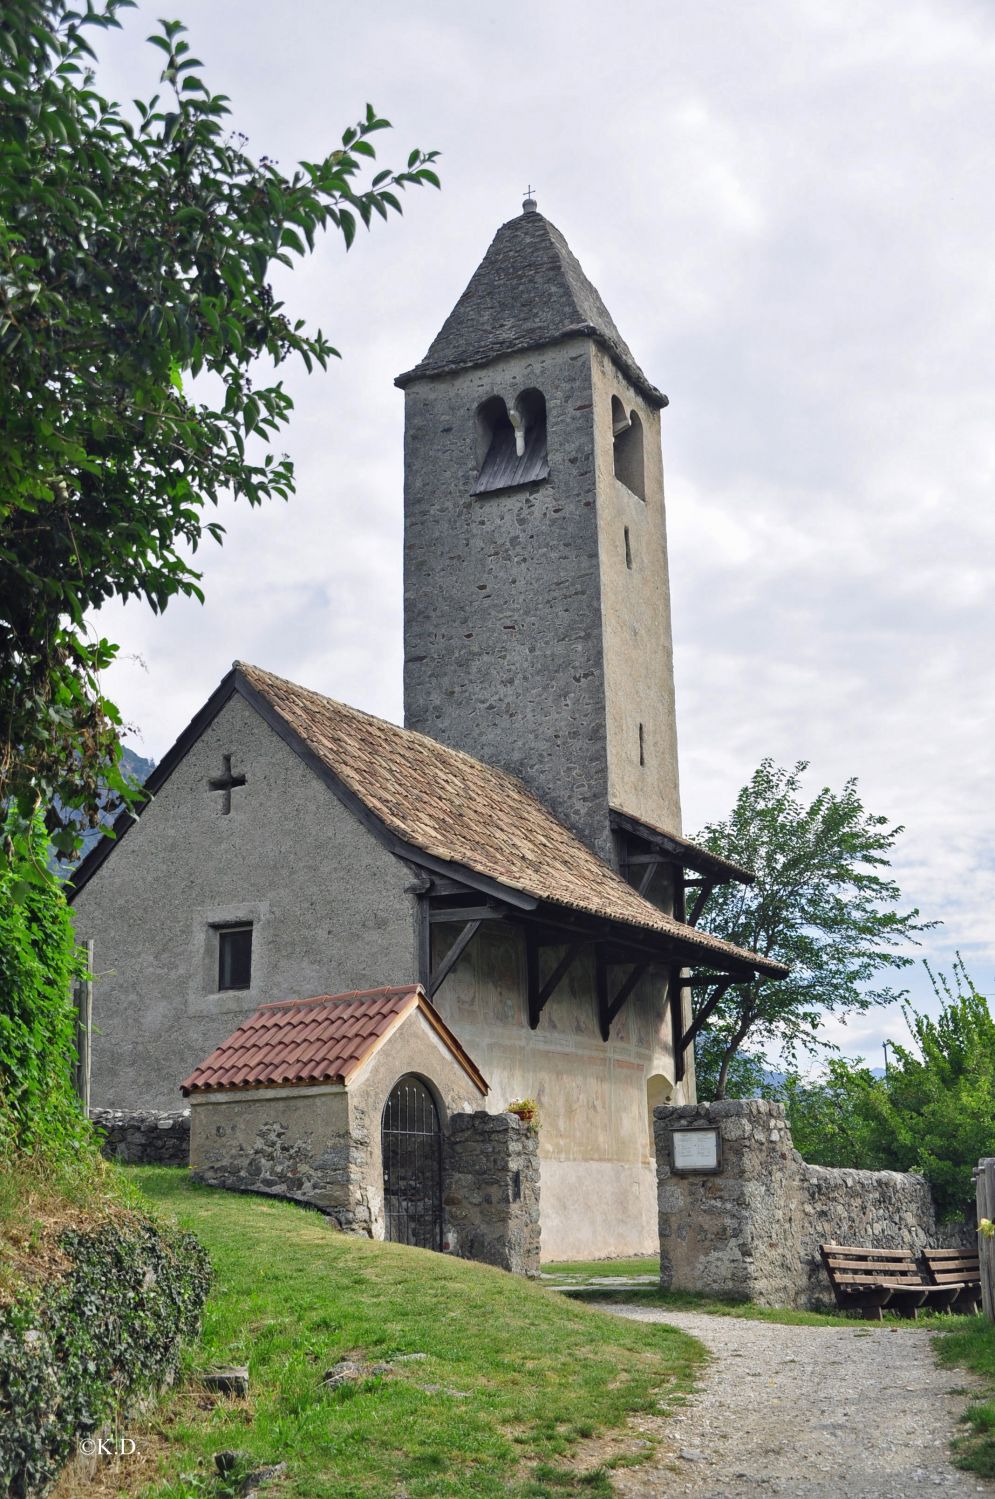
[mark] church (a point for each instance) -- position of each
(515, 850)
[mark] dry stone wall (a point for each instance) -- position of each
(144, 1137)
(491, 1198)
(753, 1229)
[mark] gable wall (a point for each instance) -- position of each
(327, 901)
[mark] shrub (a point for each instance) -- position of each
(39, 960)
(78, 1348)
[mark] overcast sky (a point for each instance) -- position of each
(789, 209)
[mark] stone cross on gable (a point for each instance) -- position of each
(225, 782)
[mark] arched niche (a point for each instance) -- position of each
(659, 1091)
(511, 444)
(627, 438)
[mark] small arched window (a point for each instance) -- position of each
(511, 445)
(627, 434)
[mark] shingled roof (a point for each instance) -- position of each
(428, 799)
(457, 809)
(529, 290)
(297, 1042)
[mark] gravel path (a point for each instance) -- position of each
(858, 1412)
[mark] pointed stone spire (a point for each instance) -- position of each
(529, 290)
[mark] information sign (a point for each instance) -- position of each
(695, 1150)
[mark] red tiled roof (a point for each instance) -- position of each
(323, 1040)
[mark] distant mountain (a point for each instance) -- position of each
(137, 769)
(777, 1079)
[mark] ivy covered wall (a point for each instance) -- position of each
(77, 1348)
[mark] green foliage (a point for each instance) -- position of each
(828, 1120)
(135, 254)
(76, 1349)
(933, 1111)
(745, 1073)
(822, 903)
(972, 1346)
(38, 962)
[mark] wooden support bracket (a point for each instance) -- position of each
(609, 1004)
(466, 936)
(540, 994)
(707, 886)
(705, 1010)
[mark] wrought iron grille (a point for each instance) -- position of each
(411, 1143)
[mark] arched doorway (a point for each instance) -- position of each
(411, 1146)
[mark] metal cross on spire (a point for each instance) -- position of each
(529, 206)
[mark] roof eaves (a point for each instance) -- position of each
(693, 856)
(428, 370)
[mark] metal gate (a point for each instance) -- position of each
(411, 1143)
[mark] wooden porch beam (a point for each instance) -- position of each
(539, 995)
(455, 914)
(676, 984)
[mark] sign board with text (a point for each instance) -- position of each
(695, 1150)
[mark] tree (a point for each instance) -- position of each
(822, 903)
(935, 1112)
(932, 1111)
(135, 256)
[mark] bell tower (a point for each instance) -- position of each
(536, 593)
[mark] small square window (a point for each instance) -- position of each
(235, 957)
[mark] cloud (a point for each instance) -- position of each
(788, 210)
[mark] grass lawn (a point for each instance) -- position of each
(567, 1271)
(515, 1386)
(972, 1345)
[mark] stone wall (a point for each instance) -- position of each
(753, 1229)
(491, 1191)
(290, 1143)
(143, 1137)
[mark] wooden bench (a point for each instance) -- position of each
(956, 1272)
(868, 1280)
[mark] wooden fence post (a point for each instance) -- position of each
(985, 1182)
(83, 996)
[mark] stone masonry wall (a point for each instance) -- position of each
(143, 1137)
(491, 1191)
(753, 1230)
(300, 1149)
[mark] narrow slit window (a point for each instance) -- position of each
(235, 957)
(628, 550)
(627, 437)
(642, 746)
